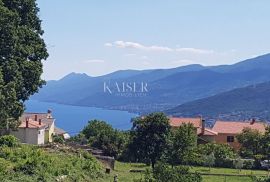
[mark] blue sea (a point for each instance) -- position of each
(73, 118)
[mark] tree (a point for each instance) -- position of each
(183, 143)
(149, 137)
(265, 142)
(102, 136)
(21, 51)
(250, 140)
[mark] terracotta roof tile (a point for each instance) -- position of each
(207, 132)
(32, 124)
(235, 127)
(176, 122)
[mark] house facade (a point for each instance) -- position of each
(30, 132)
(228, 130)
(38, 129)
(204, 134)
(45, 118)
(223, 132)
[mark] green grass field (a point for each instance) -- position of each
(122, 170)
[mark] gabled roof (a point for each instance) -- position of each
(46, 118)
(235, 127)
(59, 131)
(207, 132)
(176, 122)
(32, 124)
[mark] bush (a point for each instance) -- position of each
(223, 153)
(248, 163)
(261, 179)
(102, 136)
(163, 172)
(9, 141)
(30, 163)
(58, 139)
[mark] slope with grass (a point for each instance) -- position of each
(30, 163)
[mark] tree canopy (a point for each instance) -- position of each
(21, 51)
(183, 143)
(102, 136)
(250, 140)
(149, 137)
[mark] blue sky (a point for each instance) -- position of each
(101, 36)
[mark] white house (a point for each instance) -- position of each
(31, 132)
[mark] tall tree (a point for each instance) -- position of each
(183, 143)
(149, 137)
(21, 51)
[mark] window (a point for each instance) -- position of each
(230, 139)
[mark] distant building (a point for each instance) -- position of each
(228, 130)
(45, 118)
(38, 128)
(31, 132)
(204, 134)
(61, 132)
(223, 132)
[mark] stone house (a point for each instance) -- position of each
(45, 118)
(31, 132)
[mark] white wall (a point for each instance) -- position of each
(30, 135)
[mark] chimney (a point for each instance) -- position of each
(203, 126)
(36, 117)
(27, 123)
(49, 113)
(39, 121)
(252, 121)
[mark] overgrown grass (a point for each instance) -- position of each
(29, 163)
(122, 170)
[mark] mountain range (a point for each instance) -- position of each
(238, 104)
(165, 89)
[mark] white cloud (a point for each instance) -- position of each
(95, 61)
(134, 45)
(194, 51)
(138, 46)
(108, 44)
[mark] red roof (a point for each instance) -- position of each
(235, 127)
(176, 122)
(32, 124)
(207, 132)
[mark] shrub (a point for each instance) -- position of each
(223, 153)
(248, 163)
(261, 179)
(9, 141)
(209, 160)
(30, 163)
(58, 139)
(102, 136)
(163, 172)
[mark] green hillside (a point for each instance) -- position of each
(251, 101)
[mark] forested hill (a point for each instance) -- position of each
(241, 103)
